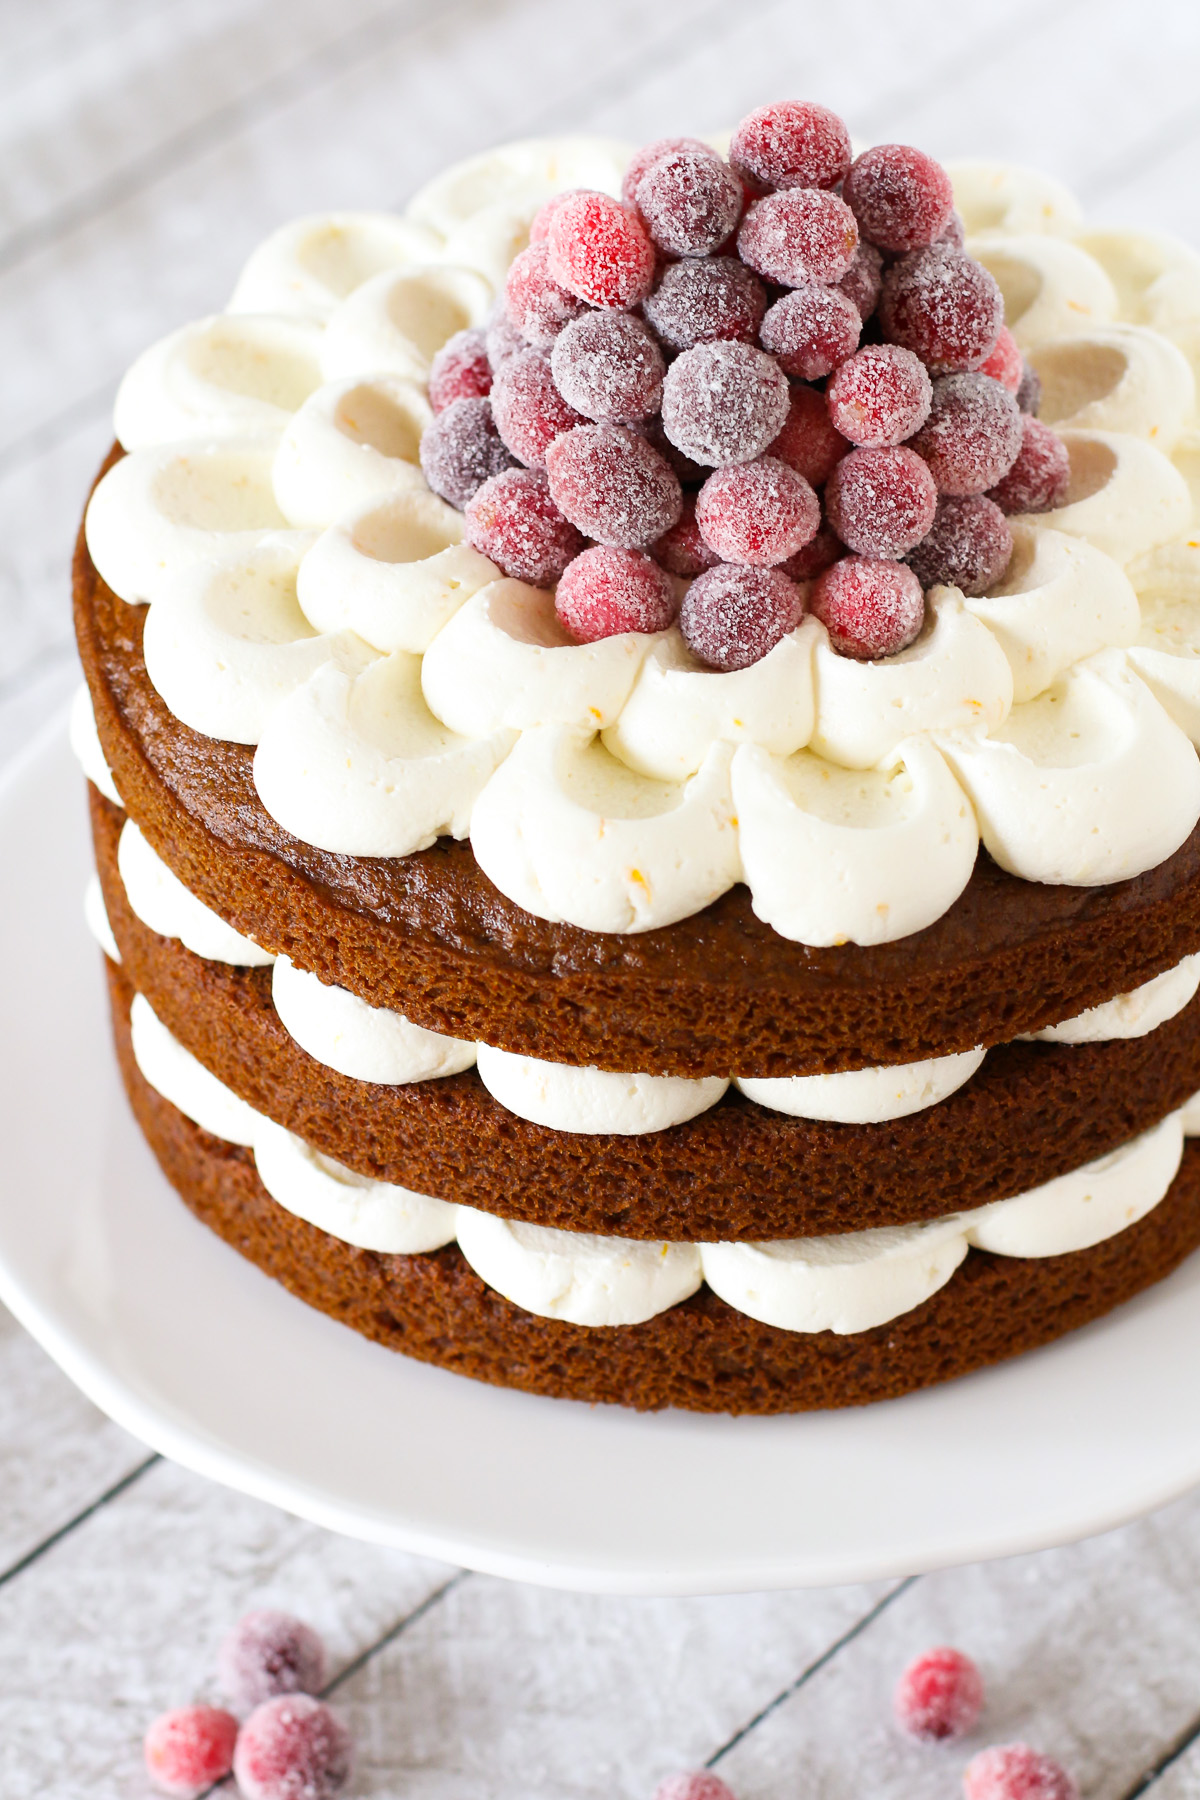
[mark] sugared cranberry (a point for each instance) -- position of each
(539, 230)
(186, 1750)
(606, 591)
(881, 502)
(514, 521)
(269, 1653)
(809, 442)
(649, 154)
(461, 450)
(939, 1695)
(968, 546)
(955, 231)
(683, 550)
(503, 338)
(461, 370)
(870, 608)
(1029, 393)
(528, 408)
(690, 202)
(613, 485)
(758, 513)
(697, 302)
(536, 304)
(732, 615)
(862, 283)
(880, 396)
(811, 330)
(1039, 479)
(292, 1748)
(802, 234)
(724, 403)
(691, 474)
(608, 366)
(1005, 364)
(972, 434)
(600, 251)
(901, 198)
(943, 305)
(793, 143)
(1015, 1772)
(819, 554)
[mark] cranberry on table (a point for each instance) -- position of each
(968, 546)
(292, 1748)
(939, 1696)
(461, 450)
(724, 403)
(1040, 477)
(715, 297)
(792, 143)
(503, 338)
(758, 513)
(1015, 1772)
(648, 154)
(528, 408)
(1005, 364)
(819, 554)
(809, 441)
(267, 1653)
(189, 1748)
(600, 251)
(862, 283)
(972, 434)
(881, 502)
(733, 615)
(460, 370)
(690, 202)
(901, 198)
(801, 234)
(880, 396)
(514, 521)
(534, 301)
(682, 549)
(608, 367)
(811, 330)
(613, 485)
(869, 607)
(605, 591)
(943, 305)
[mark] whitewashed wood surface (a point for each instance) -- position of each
(145, 147)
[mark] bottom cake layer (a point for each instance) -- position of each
(701, 1355)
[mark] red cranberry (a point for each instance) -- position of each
(901, 198)
(186, 1750)
(881, 502)
(643, 159)
(536, 304)
(793, 143)
(514, 521)
(862, 283)
(1005, 364)
(880, 396)
(606, 591)
(529, 410)
(939, 1695)
(613, 485)
(968, 546)
(690, 202)
(732, 615)
(955, 232)
(724, 403)
(461, 450)
(269, 1653)
(1029, 393)
(539, 230)
(608, 366)
(944, 305)
(600, 251)
(802, 234)
(819, 554)
(811, 330)
(460, 370)
(870, 608)
(1040, 477)
(758, 513)
(683, 550)
(809, 442)
(695, 302)
(292, 1748)
(691, 474)
(972, 434)
(503, 338)
(1015, 1772)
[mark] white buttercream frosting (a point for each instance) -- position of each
(1125, 496)
(163, 904)
(571, 1275)
(352, 441)
(85, 742)
(176, 1074)
(1117, 378)
(395, 323)
(374, 1215)
(1051, 288)
(308, 267)
(224, 376)
(1004, 197)
(865, 1096)
(95, 915)
(1131, 1015)
(368, 1043)
(593, 1100)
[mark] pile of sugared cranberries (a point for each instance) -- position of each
(747, 375)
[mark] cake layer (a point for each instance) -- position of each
(700, 1355)
(428, 933)
(739, 1171)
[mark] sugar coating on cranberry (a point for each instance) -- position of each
(1005, 364)
(514, 521)
(758, 513)
(682, 550)
(462, 449)
(801, 234)
(968, 546)
(460, 370)
(537, 305)
(691, 474)
(613, 485)
(955, 231)
(690, 202)
(654, 152)
(503, 338)
(189, 1748)
(600, 251)
(809, 441)
(943, 305)
(881, 502)
(292, 1748)
(697, 302)
(267, 1653)
(972, 434)
(939, 1696)
(1016, 1772)
(733, 615)
(539, 230)
(880, 396)
(901, 198)
(528, 408)
(724, 403)
(608, 367)
(862, 283)
(1040, 476)
(819, 554)
(811, 330)
(792, 143)
(869, 607)
(1029, 393)
(606, 591)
